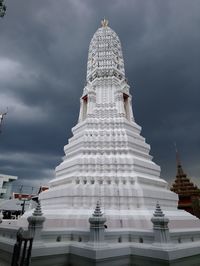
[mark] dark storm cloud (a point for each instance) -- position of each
(43, 56)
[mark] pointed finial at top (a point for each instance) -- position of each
(104, 22)
(178, 162)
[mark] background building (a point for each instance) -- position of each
(188, 193)
(6, 185)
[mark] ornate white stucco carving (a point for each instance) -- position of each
(105, 55)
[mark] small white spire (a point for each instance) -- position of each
(158, 211)
(97, 211)
(38, 210)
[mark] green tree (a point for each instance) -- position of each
(2, 8)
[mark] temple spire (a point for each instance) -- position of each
(97, 225)
(97, 211)
(107, 157)
(188, 192)
(160, 226)
(35, 222)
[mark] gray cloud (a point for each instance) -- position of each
(43, 56)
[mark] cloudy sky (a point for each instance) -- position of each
(43, 56)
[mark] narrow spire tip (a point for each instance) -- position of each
(104, 22)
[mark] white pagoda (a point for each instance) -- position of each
(107, 204)
(107, 160)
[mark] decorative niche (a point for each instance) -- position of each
(126, 106)
(84, 104)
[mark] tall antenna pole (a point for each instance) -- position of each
(178, 162)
